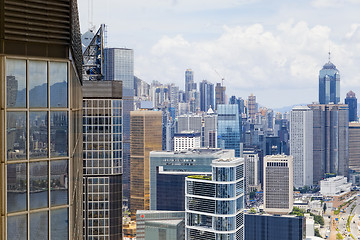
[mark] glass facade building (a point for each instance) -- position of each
(168, 171)
(228, 128)
(274, 227)
(119, 66)
(351, 101)
(40, 126)
(329, 84)
(214, 207)
(102, 155)
(331, 140)
(206, 95)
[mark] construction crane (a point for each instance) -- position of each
(221, 77)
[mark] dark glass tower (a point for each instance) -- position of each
(351, 101)
(206, 95)
(329, 84)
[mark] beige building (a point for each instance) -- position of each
(278, 184)
(40, 120)
(145, 136)
(354, 146)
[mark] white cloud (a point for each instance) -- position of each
(333, 3)
(252, 59)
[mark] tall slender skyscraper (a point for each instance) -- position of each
(220, 96)
(206, 95)
(119, 66)
(229, 128)
(329, 84)
(351, 101)
(301, 145)
(41, 120)
(102, 121)
(189, 83)
(252, 107)
(146, 136)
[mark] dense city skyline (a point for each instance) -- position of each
(274, 50)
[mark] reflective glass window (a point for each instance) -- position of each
(59, 182)
(16, 187)
(38, 127)
(38, 185)
(225, 207)
(16, 135)
(58, 84)
(59, 224)
(39, 225)
(17, 227)
(59, 134)
(15, 83)
(37, 84)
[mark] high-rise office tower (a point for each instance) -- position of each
(354, 146)
(102, 122)
(167, 181)
(331, 140)
(119, 66)
(278, 184)
(189, 83)
(301, 145)
(145, 137)
(252, 107)
(228, 128)
(351, 101)
(252, 171)
(41, 125)
(329, 84)
(215, 204)
(206, 95)
(220, 96)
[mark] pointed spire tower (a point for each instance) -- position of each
(329, 83)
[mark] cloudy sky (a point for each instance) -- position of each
(273, 49)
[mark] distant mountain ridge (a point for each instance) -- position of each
(289, 108)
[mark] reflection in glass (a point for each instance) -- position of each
(38, 185)
(16, 135)
(59, 182)
(59, 134)
(58, 84)
(37, 84)
(17, 227)
(39, 225)
(15, 83)
(38, 127)
(59, 224)
(16, 187)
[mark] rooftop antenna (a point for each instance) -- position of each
(329, 53)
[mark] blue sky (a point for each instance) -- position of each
(273, 49)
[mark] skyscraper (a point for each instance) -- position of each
(229, 128)
(278, 184)
(351, 101)
(354, 146)
(41, 125)
(220, 97)
(331, 140)
(189, 83)
(102, 121)
(252, 107)
(206, 95)
(215, 204)
(329, 84)
(146, 136)
(301, 145)
(119, 66)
